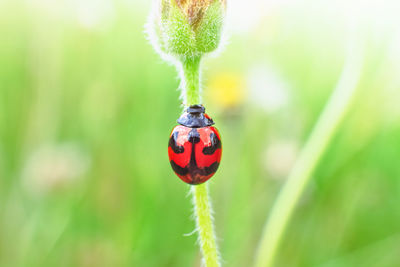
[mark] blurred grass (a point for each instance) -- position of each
(98, 86)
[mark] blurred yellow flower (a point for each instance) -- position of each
(226, 90)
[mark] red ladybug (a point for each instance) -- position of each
(194, 147)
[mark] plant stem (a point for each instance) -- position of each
(205, 228)
(190, 85)
(190, 74)
(319, 140)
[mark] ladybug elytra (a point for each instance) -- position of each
(194, 147)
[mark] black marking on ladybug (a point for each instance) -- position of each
(194, 138)
(178, 169)
(215, 144)
(173, 144)
(194, 117)
(212, 168)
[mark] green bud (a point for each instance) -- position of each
(187, 28)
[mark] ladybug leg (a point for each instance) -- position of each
(215, 144)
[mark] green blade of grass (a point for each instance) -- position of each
(319, 140)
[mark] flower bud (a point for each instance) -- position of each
(187, 28)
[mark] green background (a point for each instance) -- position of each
(86, 107)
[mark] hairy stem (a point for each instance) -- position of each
(205, 228)
(318, 142)
(190, 74)
(190, 85)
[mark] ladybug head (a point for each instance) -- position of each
(194, 117)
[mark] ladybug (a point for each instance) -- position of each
(194, 147)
